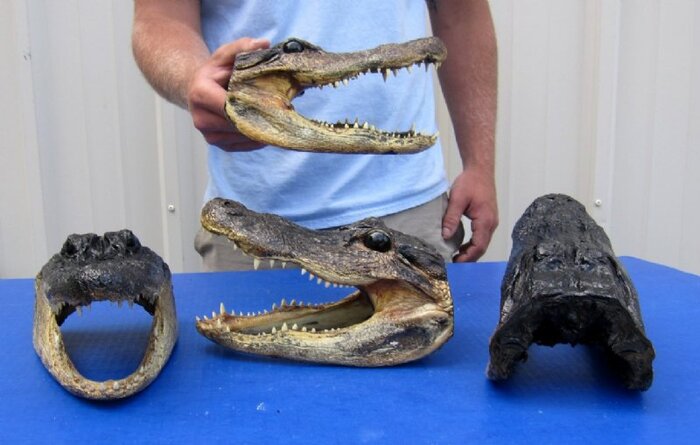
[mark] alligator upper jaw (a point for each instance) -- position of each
(259, 98)
(573, 317)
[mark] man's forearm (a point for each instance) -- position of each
(469, 76)
(168, 46)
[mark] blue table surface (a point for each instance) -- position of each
(206, 393)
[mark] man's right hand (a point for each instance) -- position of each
(206, 96)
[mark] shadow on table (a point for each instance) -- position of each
(566, 374)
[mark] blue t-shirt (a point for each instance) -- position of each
(321, 190)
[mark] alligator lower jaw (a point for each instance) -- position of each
(381, 324)
(262, 110)
(573, 319)
(48, 343)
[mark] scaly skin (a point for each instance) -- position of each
(114, 268)
(264, 82)
(401, 310)
(563, 284)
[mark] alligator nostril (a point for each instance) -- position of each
(69, 248)
(131, 243)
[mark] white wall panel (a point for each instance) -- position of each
(540, 106)
(597, 99)
(655, 191)
(22, 238)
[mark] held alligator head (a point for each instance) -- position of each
(400, 311)
(563, 284)
(116, 268)
(264, 82)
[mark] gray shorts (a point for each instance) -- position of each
(424, 222)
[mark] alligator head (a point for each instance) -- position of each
(264, 82)
(90, 268)
(401, 310)
(563, 284)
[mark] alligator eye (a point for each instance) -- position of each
(293, 47)
(378, 240)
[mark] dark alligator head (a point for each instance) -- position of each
(401, 310)
(264, 82)
(564, 284)
(116, 268)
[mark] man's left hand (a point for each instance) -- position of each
(473, 195)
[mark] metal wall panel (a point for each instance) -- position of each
(597, 99)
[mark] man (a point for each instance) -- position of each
(173, 41)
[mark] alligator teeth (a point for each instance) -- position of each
(409, 68)
(303, 271)
(327, 284)
(233, 312)
(284, 327)
(313, 329)
(318, 281)
(222, 309)
(283, 303)
(345, 81)
(284, 264)
(272, 264)
(293, 302)
(303, 329)
(295, 327)
(274, 330)
(385, 74)
(274, 306)
(256, 263)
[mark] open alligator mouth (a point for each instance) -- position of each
(563, 284)
(264, 82)
(116, 268)
(400, 311)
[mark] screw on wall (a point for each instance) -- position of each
(171, 208)
(598, 202)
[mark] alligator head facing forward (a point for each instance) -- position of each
(401, 310)
(264, 82)
(564, 284)
(90, 268)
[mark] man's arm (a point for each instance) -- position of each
(169, 49)
(469, 82)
